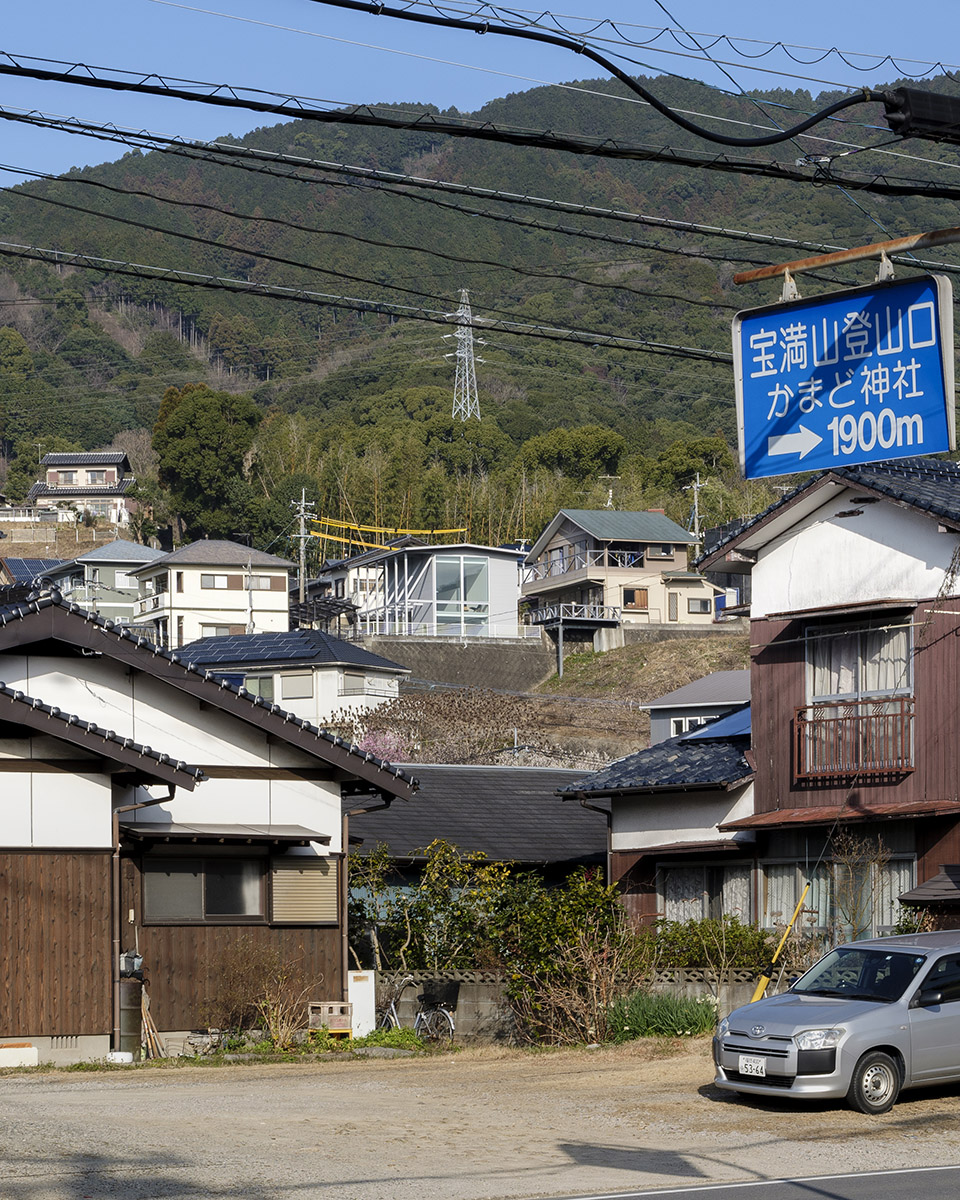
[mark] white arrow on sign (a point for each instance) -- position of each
(801, 442)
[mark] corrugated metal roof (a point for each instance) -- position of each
(511, 814)
(177, 831)
(296, 646)
(720, 687)
(827, 814)
(214, 552)
(609, 524)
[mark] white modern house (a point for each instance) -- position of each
(212, 589)
(460, 590)
(305, 671)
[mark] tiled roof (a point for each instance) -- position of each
(511, 814)
(923, 483)
(720, 687)
(679, 762)
(88, 458)
(205, 684)
(67, 490)
(297, 646)
(220, 554)
(26, 570)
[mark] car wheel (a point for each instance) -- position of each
(875, 1083)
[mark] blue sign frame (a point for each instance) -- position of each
(857, 376)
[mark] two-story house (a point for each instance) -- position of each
(597, 569)
(211, 589)
(103, 580)
(697, 703)
(96, 482)
(305, 671)
(855, 680)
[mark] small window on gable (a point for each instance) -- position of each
(296, 687)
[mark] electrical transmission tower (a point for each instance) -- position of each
(466, 403)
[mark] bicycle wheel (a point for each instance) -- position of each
(388, 1020)
(436, 1025)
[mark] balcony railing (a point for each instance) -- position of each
(863, 738)
(554, 567)
(548, 613)
(149, 604)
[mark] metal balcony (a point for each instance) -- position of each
(863, 738)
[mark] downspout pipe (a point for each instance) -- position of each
(607, 813)
(115, 905)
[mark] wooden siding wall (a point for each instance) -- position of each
(636, 876)
(55, 977)
(778, 683)
(179, 961)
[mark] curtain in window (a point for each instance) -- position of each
(683, 891)
(884, 666)
(895, 878)
(735, 893)
(835, 665)
(779, 893)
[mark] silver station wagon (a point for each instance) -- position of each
(870, 1018)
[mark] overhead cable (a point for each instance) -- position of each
(381, 307)
(244, 158)
(229, 96)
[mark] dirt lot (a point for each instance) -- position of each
(460, 1126)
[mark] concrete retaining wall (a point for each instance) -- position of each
(510, 666)
(481, 1013)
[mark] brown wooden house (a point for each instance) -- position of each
(855, 680)
(149, 806)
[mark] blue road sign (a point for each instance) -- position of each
(849, 377)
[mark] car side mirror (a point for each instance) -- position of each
(930, 997)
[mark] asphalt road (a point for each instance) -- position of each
(918, 1183)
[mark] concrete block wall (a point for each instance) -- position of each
(513, 666)
(482, 1013)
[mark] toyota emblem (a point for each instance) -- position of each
(758, 1030)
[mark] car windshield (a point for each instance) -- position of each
(861, 973)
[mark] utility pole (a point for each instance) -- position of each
(466, 403)
(303, 512)
(695, 515)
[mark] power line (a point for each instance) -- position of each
(244, 157)
(382, 307)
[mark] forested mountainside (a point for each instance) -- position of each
(356, 407)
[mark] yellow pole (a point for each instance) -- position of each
(767, 973)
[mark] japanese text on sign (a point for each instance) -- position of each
(850, 377)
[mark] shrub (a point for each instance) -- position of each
(723, 944)
(644, 1015)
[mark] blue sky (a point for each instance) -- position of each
(274, 46)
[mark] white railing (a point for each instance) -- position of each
(551, 568)
(34, 516)
(574, 612)
(371, 624)
(149, 604)
(380, 691)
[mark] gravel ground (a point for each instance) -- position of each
(467, 1126)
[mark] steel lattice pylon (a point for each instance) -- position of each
(466, 403)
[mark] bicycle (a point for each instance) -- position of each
(433, 1022)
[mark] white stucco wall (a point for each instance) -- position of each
(62, 810)
(886, 552)
(638, 823)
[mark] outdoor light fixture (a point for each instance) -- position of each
(911, 112)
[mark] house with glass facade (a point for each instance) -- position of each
(410, 589)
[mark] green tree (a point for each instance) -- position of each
(202, 449)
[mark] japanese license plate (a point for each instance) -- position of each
(752, 1064)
